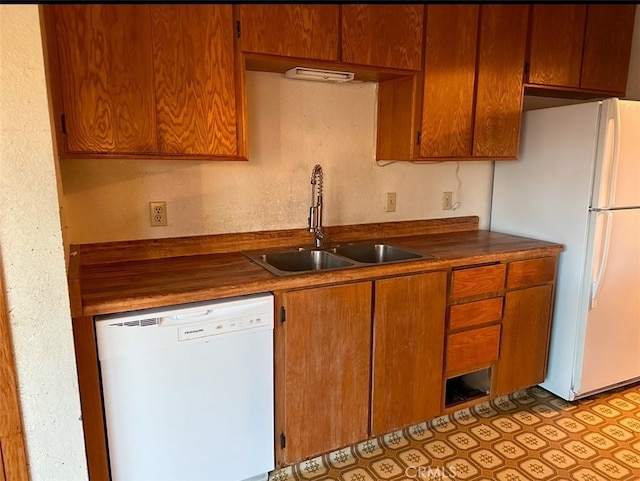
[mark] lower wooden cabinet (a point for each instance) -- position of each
(525, 338)
(408, 343)
(323, 352)
(363, 359)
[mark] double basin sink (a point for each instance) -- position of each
(284, 262)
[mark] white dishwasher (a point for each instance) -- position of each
(188, 390)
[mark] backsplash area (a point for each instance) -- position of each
(292, 125)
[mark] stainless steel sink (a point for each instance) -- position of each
(299, 261)
(312, 260)
(376, 253)
(292, 261)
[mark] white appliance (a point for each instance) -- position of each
(188, 391)
(577, 182)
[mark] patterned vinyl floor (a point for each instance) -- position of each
(528, 435)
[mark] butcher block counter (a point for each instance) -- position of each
(123, 276)
(466, 325)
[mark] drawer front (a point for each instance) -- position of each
(477, 280)
(471, 349)
(531, 272)
(475, 313)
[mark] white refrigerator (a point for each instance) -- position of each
(577, 182)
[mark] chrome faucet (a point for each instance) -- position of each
(315, 211)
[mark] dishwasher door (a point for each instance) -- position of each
(188, 390)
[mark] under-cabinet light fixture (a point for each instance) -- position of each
(303, 73)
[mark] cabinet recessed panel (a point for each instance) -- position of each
(557, 33)
(194, 79)
(607, 47)
(304, 31)
(106, 69)
(449, 79)
(407, 350)
(323, 379)
(383, 35)
(503, 30)
(525, 338)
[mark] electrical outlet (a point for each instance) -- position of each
(391, 202)
(158, 212)
(447, 200)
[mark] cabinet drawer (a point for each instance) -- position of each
(477, 280)
(471, 349)
(531, 272)
(474, 313)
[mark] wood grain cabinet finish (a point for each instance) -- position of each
(408, 344)
(471, 314)
(525, 338)
(105, 56)
(467, 103)
(526, 323)
(194, 79)
(13, 455)
(147, 80)
(531, 272)
(472, 349)
(451, 44)
(383, 35)
(474, 281)
(323, 354)
(555, 41)
(581, 47)
(502, 37)
(607, 47)
(302, 31)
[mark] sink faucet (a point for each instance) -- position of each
(315, 211)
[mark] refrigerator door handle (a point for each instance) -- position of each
(603, 254)
(611, 165)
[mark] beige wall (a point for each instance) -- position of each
(293, 125)
(32, 256)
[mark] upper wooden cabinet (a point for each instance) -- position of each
(607, 47)
(383, 35)
(303, 31)
(451, 45)
(503, 36)
(146, 80)
(582, 47)
(556, 37)
(468, 101)
(377, 36)
(106, 74)
(195, 86)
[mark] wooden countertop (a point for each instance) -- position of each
(124, 276)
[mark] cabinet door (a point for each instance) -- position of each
(557, 33)
(525, 338)
(323, 353)
(607, 46)
(195, 79)
(503, 30)
(408, 350)
(449, 78)
(106, 68)
(304, 31)
(383, 35)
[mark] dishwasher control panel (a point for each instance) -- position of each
(224, 326)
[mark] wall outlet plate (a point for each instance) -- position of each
(447, 200)
(158, 212)
(391, 202)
